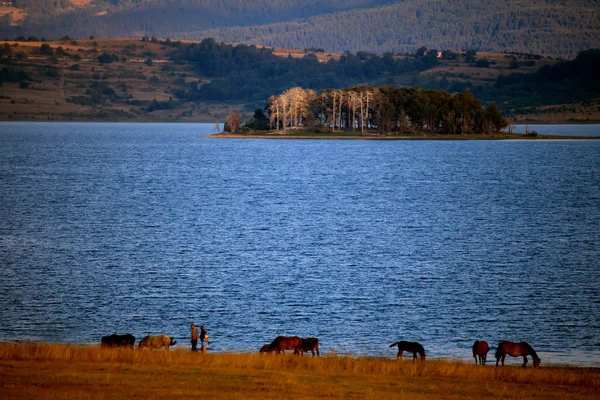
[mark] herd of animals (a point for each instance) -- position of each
(303, 345)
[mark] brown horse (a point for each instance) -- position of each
(480, 349)
(156, 342)
(521, 349)
(309, 344)
(283, 343)
(411, 347)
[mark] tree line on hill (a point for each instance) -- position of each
(247, 73)
(561, 28)
(366, 108)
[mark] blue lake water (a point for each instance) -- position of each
(560, 129)
(144, 228)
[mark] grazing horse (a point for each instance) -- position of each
(480, 349)
(156, 342)
(265, 349)
(412, 347)
(309, 344)
(117, 341)
(283, 343)
(521, 349)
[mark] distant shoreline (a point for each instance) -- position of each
(336, 136)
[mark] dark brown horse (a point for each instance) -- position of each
(521, 349)
(480, 349)
(310, 344)
(117, 341)
(411, 347)
(283, 343)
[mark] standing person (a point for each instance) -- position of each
(194, 340)
(203, 338)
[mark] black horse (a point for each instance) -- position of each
(412, 347)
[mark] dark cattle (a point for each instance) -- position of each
(310, 344)
(118, 341)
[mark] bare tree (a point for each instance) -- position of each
(233, 123)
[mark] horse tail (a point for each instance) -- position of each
(475, 345)
(394, 344)
(499, 352)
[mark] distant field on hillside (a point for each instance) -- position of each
(141, 82)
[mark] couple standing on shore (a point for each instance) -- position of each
(203, 338)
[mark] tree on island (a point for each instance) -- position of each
(233, 123)
(389, 109)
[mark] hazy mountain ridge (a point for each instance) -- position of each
(130, 18)
(551, 28)
(558, 28)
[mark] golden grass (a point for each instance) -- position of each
(70, 371)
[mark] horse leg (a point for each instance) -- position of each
(483, 359)
(475, 357)
(524, 361)
(415, 356)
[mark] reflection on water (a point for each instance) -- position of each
(144, 228)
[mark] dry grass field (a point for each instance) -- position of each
(46, 371)
(57, 79)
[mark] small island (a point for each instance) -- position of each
(371, 113)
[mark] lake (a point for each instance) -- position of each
(144, 228)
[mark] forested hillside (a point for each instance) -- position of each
(559, 28)
(136, 18)
(550, 27)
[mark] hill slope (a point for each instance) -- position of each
(554, 28)
(559, 28)
(129, 79)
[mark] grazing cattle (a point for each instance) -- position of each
(412, 347)
(521, 349)
(118, 341)
(310, 344)
(283, 343)
(480, 349)
(156, 342)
